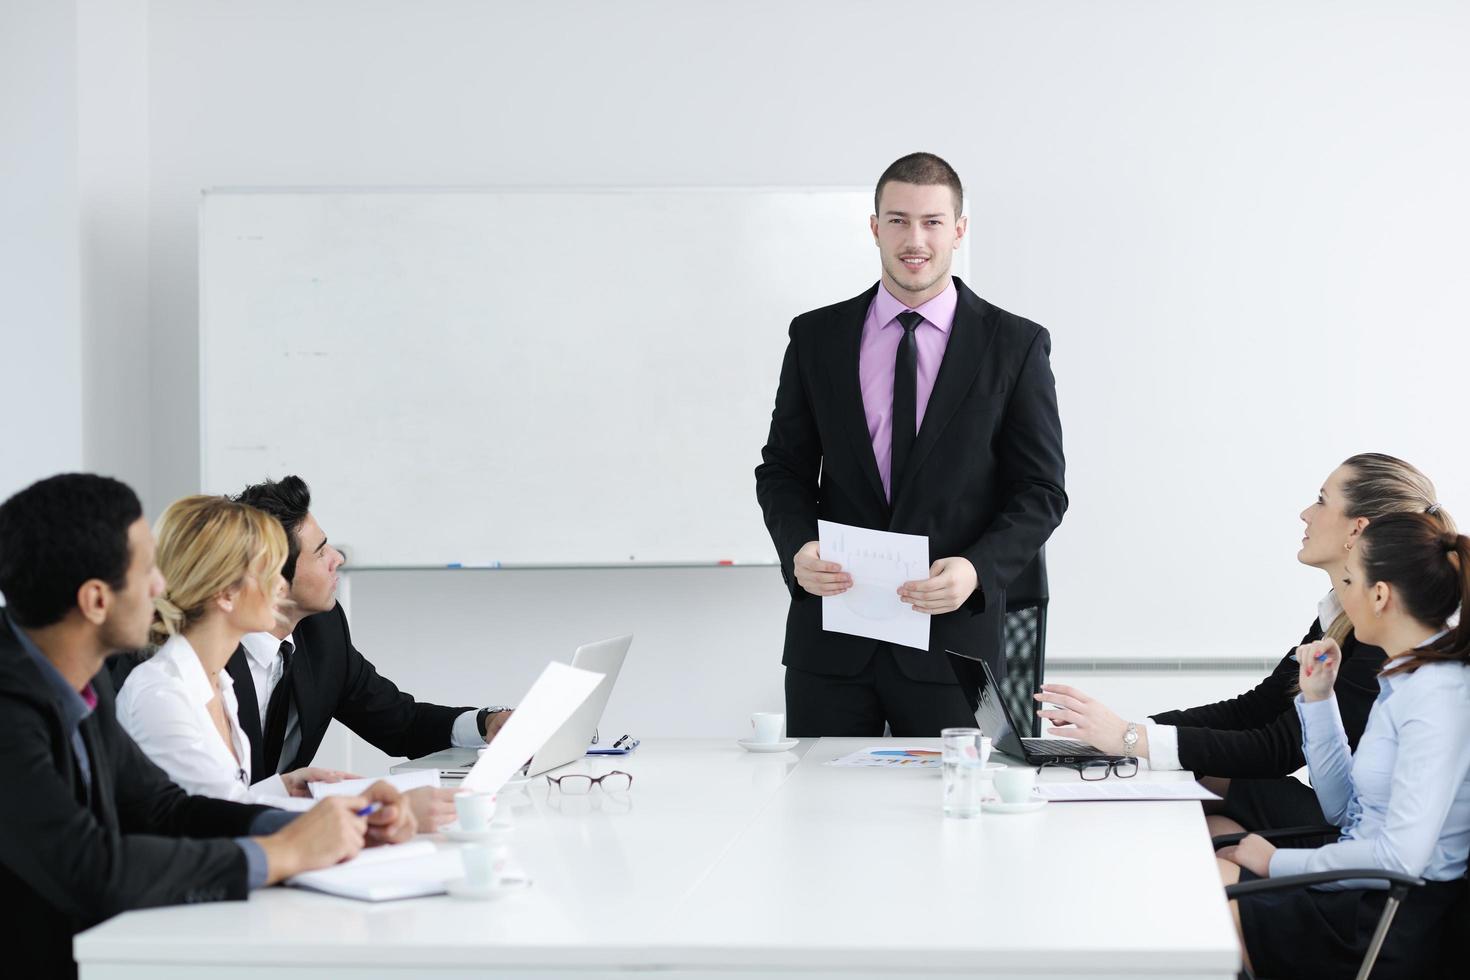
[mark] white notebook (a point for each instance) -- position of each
(1122, 789)
(381, 874)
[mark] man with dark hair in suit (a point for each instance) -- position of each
(914, 407)
(292, 682)
(91, 827)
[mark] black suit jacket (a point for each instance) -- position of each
(1258, 735)
(70, 858)
(330, 679)
(984, 481)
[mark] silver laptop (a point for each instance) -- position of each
(571, 741)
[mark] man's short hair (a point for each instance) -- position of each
(922, 169)
(287, 500)
(59, 533)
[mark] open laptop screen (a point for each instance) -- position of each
(994, 718)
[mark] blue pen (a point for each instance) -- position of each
(369, 810)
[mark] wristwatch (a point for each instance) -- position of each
(1130, 740)
(483, 717)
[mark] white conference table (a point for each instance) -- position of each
(725, 864)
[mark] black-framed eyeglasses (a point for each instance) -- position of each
(579, 784)
(1100, 768)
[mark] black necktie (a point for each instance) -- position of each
(275, 716)
(905, 400)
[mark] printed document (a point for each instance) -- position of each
(403, 782)
(879, 562)
(888, 757)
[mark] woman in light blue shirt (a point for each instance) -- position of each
(1403, 799)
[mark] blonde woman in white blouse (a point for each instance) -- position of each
(222, 563)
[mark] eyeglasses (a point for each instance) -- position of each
(1100, 769)
(576, 784)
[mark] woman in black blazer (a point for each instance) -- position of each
(1247, 747)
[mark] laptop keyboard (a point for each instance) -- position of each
(1060, 746)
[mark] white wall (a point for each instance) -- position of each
(40, 320)
(1213, 154)
(112, 186)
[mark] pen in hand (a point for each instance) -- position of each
(369, 810)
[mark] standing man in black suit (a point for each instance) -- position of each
(915, 407)
(89, 826)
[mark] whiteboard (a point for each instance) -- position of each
(526, 377)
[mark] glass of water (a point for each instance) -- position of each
(963, 786)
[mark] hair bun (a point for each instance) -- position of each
(170, 617)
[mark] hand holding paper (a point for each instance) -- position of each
(950, 583)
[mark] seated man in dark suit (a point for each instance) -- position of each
(292, 682)
(91, 827)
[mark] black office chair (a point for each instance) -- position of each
(1025, 642)
(1398, 886)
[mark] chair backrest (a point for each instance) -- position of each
(1025, 641)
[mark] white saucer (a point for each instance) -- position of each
(452, 832)
(460, 888)
(997, 807)
(784, 745)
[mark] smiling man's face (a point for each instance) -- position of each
(917, 233)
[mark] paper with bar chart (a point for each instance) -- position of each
(879, 562)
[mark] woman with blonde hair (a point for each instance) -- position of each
(222, 563)
(1249, 746)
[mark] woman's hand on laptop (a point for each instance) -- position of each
(1075, 715)
(432, 807)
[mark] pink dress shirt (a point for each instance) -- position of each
(879, 351)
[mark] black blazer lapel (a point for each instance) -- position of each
(238, 667)
(847, 341)
(968, 340)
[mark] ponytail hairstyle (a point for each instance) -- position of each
(205, 546)
(1378, 485)
(1428, 565)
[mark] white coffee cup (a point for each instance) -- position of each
(767, 726)
(475, 811)
(986, 747)
(1016, 784)
(485, 862)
